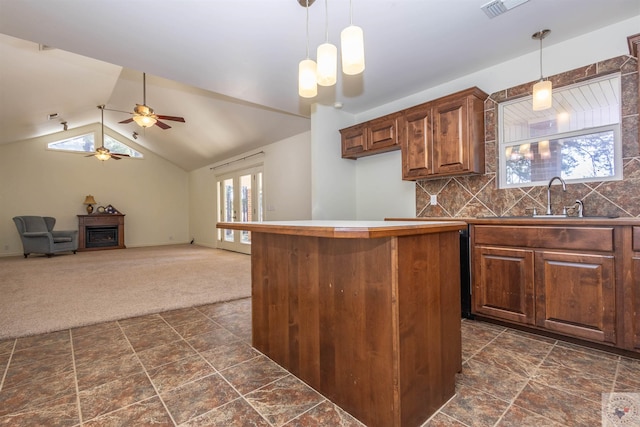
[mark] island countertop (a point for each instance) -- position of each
(346, 229)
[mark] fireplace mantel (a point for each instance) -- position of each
(88, 223)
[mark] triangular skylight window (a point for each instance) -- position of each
(85, 144)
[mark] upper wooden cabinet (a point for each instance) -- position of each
(444, 137)
(376, 136)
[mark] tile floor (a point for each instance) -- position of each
(196, 367)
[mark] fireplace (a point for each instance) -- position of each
(100, 231)
(101, 237)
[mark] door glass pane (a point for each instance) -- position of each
(227, 207)
(245, 206)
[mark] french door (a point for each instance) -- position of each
(239, 200)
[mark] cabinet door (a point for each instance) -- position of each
(575, 294)
(416, 137)
(354, 141)
(636, 296)
(503, 283)
(634, 293)
(383, 134)
(451, 137)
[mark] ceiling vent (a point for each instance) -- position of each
(498, 7)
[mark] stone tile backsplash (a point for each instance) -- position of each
(473, 196)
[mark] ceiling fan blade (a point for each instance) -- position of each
(115, 157)
(162, 125)
(174, 118)
(127, 121)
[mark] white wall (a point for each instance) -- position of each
(151, 192)
(287, 185)
(333, 178)
(375, 183)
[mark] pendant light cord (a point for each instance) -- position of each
(326, 20)
(350, 12)
(307, 29)
(541, 76)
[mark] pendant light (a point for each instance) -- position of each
(307, 71)
(327, 56)
(543, 90)
(352, 46)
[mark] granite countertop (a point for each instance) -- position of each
(529, 220)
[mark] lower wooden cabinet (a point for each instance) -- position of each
(561, 279)
(575, 295)
(503, 286)
(634, 292)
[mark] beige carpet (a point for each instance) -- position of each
(41, 294)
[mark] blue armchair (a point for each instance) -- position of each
(38, 236)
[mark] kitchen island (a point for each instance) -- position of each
(367, 313)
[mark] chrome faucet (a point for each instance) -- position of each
(580, 212)
(564, 188)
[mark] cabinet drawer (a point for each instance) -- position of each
(636, 239)
(576, 238)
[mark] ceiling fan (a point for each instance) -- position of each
(144, 116)
(103, 153)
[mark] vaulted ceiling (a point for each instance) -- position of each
(229, 67)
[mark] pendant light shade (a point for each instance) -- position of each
(352, 45)
(327, 64)
(542, 95)
(307, 84)
(307, 70)
(327, 56)
(543, 90)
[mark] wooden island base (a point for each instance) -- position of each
(372, 323)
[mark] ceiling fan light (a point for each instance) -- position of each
(352, 46)
(144, 121)
(542, 95)
(327, 64)
(102, 154)
(307, 79)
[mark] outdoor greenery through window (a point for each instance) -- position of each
(85, 144)
(577, 139)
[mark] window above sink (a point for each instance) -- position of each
(577, 139)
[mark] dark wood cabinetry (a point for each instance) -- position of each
(575, 295)
(504, 283)
(373, 137)
(561, 279)
(416, 142)
(444, 137)
(632, 294)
